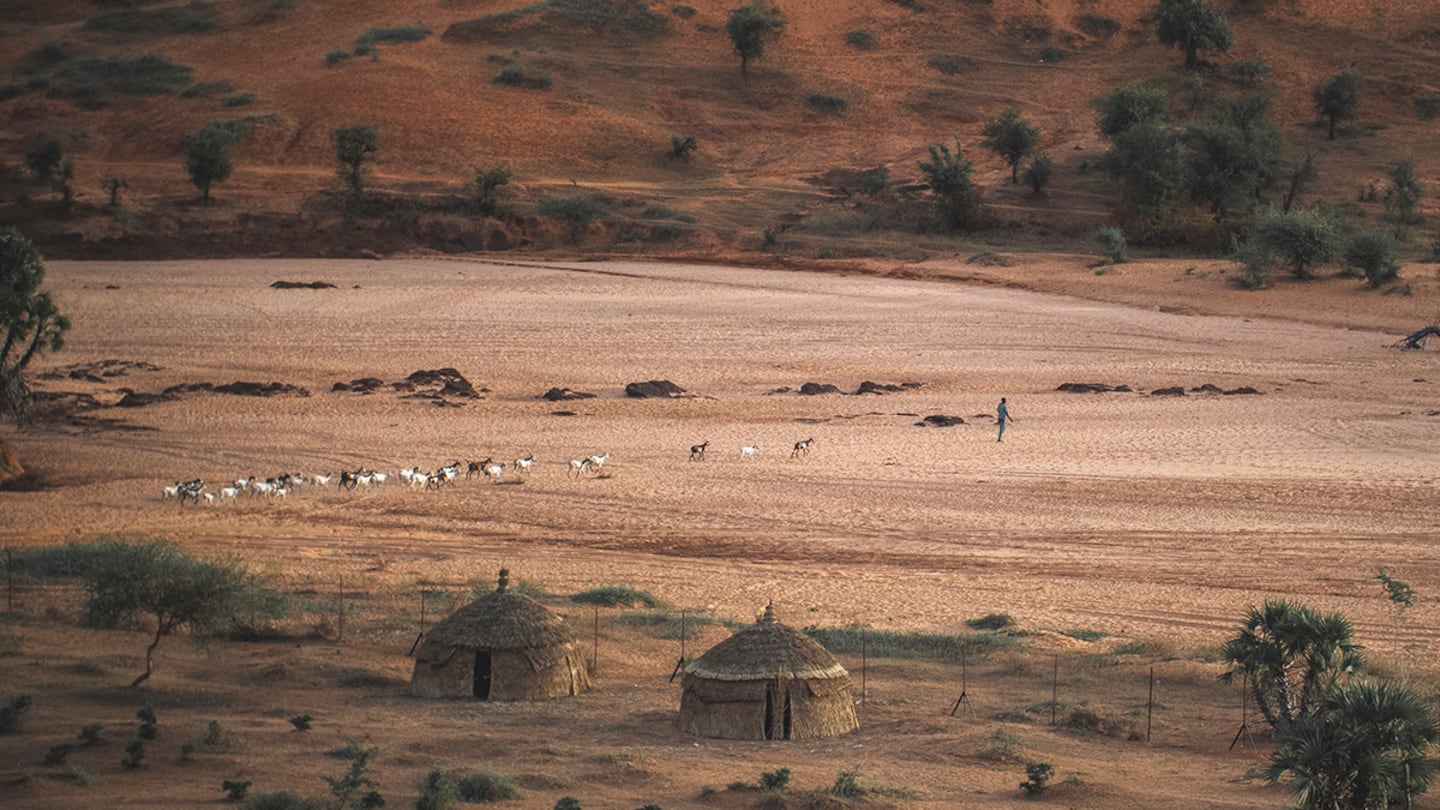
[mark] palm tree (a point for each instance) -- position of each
(1364, 748)
(1290, 654)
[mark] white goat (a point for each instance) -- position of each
(228, 492)
(578, 465)
(494, 471)
(522, 465)
(170, 492)
(749, 451)
(596, 462)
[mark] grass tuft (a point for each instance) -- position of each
(617, 596)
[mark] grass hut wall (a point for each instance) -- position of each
(767, 682)
(502, 646)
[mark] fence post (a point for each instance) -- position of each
(1150, 704)
(9, 580)
(595, 656)
(1055, 689)
(340, 612)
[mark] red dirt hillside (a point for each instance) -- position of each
(615, 97)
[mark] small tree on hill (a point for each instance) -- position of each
(44, 159)
(487, 188)
(1403, 195)
(1011, 137)
(208, 155)
(1193, 26)
(750, 26)
(1372, 254)
(1299, 178)
(1038, 173)
(156, 579)
(1337, 97)
(949, 177)
(29, 319)
(354, 147)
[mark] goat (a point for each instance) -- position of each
(596, 462)
(191, 490)
(229, 492)
(476, 468)
(522, 465)
(802, 448)
(321, 480)
(749, 451)
(408, 474)
(170, 492)
(697, 451)
(494, 471)
(578, 465)
(209, 498)
(380, 477)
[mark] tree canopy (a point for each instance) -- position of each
(1193, 26)
(1291, 654)
(1337, 97)
(949, 176)
(29, 319)
(1011, 137)
(1139, 102)
(156, 579)
(354, 147)
(750, 26)
(208, 155)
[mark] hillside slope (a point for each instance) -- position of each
(617, 91)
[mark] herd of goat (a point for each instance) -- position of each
(197, 492)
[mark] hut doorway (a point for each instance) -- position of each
(785, 720)
(482, 675)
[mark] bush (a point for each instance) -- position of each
(516, 76)
(683, 12)
(366, 42)
(827, 104)
(1371, 254)
(568, 803)
(775, 780)
(682, 146)
(487, 786)
(439, 790)
(1112, 244)
(193, 18)
(146, 75)
(91, 733)
(135, 752)
(1037, 774)
(847, 785)
(58, 752)
(579, 211)
(12, 714)
(42, 160)
(301, 722)
(991, 621)
(951, 65)
(84, 777)
(235, 790)
(924, 646)
(617, 596)
(1037, 175)
(860, 38)
(282, 800)
(1250, 71)
(1427, 107)
(334, 58)
(240, 100)
(1051, 54)
(1299, 238)
(487, 188)
(874, 181)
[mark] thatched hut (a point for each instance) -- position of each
(767, 682)
(502, 646)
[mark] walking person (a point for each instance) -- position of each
(1002, 415)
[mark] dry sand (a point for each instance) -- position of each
(1142, 517)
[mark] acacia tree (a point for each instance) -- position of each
(1192, 26)
(1337, 97)
(1011, 137)
(354, 147)
(1290, 654)
(156, 579)
(29, 319)
(1301, 239)
(1366, 747)
(750, 26)
(949, 176)
(1139, 102)
(1234, 157)
(208, 155)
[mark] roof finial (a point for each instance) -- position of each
(504, 580)
(769, 617)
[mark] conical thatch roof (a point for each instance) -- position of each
(503, 620)
(764, 650)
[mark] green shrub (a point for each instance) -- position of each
(240, 100)
(149, 726)
(827, 104)
(579, 211)
(1050, 55)
(518, 76)
(84, 777)
(925, 646)
(87, 80)
(1037, 175)
(1427, 107)
(334, 58)
(1084, 635)
(235, 790)
(1037, 774)
(487, 786)
(1250, 71)
(58, 752)
(282, 800)
(568, 803)
(847, 785)
(777, 781)
(487, 192)
(874, 181)
(1372, 255)
(1112, 244)
(210, 89)
(91, 733)
(438, 791)
(193, 18)
(301, 722)
(12, 714)
(366, 43)
(952, 65)
(682, 146)
(683, 12)
(616, 595)
(991, 621)
(860, 38)
(135, 752)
